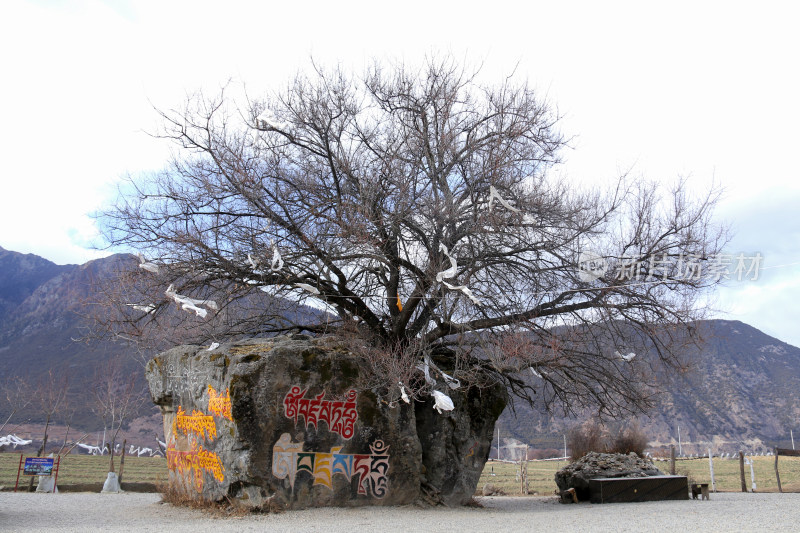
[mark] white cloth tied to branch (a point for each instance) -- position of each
(267, 119)
(442, 402)
(199, 311)
(494, 195)
(275, 266)
(150, 267)
(464, 289)
(144, 308)
(94, 450)
(403, 394)
(191, 304)
(452, 382)
(139, 451)
(277, 260)
(306, 287)
(451, 272)
(13, 440)
(425, 367)
(628, 357)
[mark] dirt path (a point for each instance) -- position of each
(86, 512)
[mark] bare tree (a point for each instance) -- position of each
(17, 393)
(118, 396)
(50, 393)
(414, 212)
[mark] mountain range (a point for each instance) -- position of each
(742, 393)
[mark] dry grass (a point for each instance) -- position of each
(474, 502)
(86, 469)
(726, 474)
(80, 469)
(226, 508)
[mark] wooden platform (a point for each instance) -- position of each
(638, 489)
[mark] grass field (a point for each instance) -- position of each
(726, 474)
(81, 469)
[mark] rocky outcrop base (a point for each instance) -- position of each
(290, 421)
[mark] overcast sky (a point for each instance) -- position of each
(703, 90)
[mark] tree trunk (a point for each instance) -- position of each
(6, 422)
(111, 456)
(66, 435)
(113, 442)
(41, 449)
(741, 471)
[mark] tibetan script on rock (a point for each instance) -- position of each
(198, 423)
(289, 459)
(219, 403)
(340, 416)
(195, 461)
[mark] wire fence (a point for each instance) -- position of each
(537, 477)
(87, 469)
(533, 477)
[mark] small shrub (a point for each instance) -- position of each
(545, 453)
(630, 439)
(584, 438)
(592, 436)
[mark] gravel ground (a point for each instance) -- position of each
(88, 512)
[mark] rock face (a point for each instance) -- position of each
(291, 420)
(594, 465)
(455, 447)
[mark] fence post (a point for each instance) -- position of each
(672, 459)
(526, 489)
(741, 471)
(19, 467)
(711, 468)
(777, 475)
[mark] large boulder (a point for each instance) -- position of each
(602, 465)
(455, 447)
(294, 421)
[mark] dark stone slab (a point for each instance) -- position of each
(641, 489)
(602, 465)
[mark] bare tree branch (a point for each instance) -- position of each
(413, 210)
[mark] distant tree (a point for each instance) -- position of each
(414, 211)
(118, 396)
(16, 391)
(592, 436)
(629, 439)
(50, 393)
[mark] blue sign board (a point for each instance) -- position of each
(38, 466)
